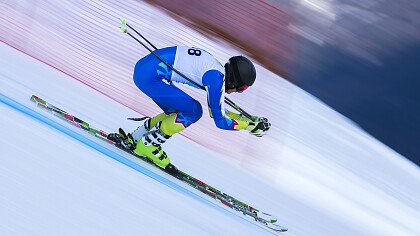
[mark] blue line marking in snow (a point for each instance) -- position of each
(33, 114)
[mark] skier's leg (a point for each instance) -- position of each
(165, 125)
(147, 124)
(180, 111)
(170, 116)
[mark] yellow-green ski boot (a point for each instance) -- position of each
(150, 146)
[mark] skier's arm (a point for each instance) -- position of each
(214, 83)
(213, 80)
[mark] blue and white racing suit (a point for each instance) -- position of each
(155, 79)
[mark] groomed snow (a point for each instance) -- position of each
(327, 177)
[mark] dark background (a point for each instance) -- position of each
(362, 58)
(383, 99)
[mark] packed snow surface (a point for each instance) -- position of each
(316, 171)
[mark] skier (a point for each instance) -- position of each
(154, 78)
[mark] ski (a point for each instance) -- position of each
(267, 220)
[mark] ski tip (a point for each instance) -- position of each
(34, 98)
(124, 22)
(276, 227)
(38, 100)
(279, 229)
(267, 217)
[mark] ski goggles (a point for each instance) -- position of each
(242, 88)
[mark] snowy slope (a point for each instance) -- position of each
(318, 172)
(52, 183)
(58, 186)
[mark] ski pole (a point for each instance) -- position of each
(227, 100)
(124, 30)
(124, 22)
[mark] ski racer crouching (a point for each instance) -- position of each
(154, 78)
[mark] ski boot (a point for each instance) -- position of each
(150, 146)
(122, 139)
(148, 138)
